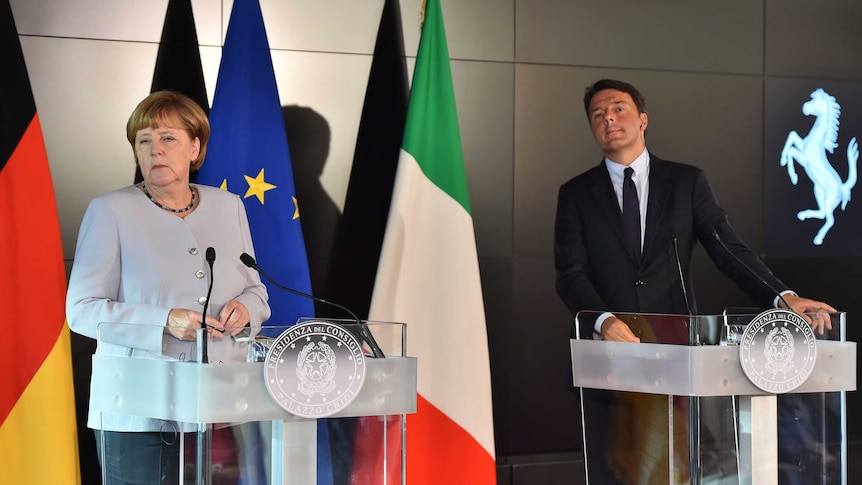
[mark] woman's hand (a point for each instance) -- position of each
(183, 324)
(233, 317)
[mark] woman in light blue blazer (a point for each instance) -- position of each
(140, 277)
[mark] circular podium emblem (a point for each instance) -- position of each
(778, 351)
(314, 369)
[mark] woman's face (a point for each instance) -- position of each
(165, 153)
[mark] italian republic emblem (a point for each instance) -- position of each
(778, 351)
(314, 369)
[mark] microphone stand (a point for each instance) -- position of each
(363, 328)
(203, 448)
(751, 271)
(210, 255)
(694, 448)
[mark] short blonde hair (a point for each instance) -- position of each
(165, 106)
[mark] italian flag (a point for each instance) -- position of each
(38, 431)
(428, 278)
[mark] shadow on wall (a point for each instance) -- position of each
(308, 137)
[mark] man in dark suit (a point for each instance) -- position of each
(624, 235)
(602, 266)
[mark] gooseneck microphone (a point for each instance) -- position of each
(210, 257)
(749, 270)
(681, 277)
(363, 328)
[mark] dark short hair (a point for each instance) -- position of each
(601, 85)
(165, 105)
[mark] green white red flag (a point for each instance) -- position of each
(428, 278)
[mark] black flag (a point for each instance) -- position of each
(359, 238)
(366, 206)
(178, 63)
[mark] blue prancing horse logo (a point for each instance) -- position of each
(810, 154)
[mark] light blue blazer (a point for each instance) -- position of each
(134, 262)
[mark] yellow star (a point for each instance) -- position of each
(257, 186)
(296, 206)
(223, 185)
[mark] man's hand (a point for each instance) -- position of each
(819, 318)
(616, 330)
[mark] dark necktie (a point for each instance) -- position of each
(631, 209)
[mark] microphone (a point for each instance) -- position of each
(681, 278)
(363, 329)
(210, 257)
(749, 270)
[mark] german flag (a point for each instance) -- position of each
(37, 407)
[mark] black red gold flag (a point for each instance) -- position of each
(37, 404)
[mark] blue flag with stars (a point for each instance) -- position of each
(248, 155)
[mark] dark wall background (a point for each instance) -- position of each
(703, 67)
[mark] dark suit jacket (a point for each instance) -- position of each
(597, 269)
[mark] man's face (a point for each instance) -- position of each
(617, 126)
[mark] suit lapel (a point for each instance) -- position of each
(606, 201)
(659, 192)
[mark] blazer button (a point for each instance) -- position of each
(193, 251)
(200, 273)
(639, 283)
(202, 300)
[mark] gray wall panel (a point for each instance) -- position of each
(484, 93)
(550, 134)
(498, 292)
(819, 39)
(123, 20)
(545, 412)
(475, 29)
(320, 26)
(669, 35)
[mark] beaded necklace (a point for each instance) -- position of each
(177, 211)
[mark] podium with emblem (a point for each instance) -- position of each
(287, 406)
(712, 399)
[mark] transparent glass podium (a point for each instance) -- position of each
(229, 428)
(678, 407)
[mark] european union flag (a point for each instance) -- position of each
(248, 155)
